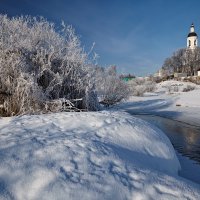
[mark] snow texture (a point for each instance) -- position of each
(93, 155)
(169, 101)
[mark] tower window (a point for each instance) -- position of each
(195, 43)
(189, 43)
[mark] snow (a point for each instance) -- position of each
(91, 155)
(189, 99)
(163, 86)
(175, 104)
(187, 167)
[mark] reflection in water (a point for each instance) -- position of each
(186, 141)
(185, 138)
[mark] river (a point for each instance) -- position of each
(186, 141)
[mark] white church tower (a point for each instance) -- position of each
(192, 38)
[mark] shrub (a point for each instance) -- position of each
(139, 86)
(39, 65)
(110, 88)
(188, 88)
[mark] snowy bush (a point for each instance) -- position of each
(39, 65)
(139, 86)
(172, 87)
(188, 88)
(110, 88)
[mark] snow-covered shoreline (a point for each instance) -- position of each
(180, 106)
(92, 155)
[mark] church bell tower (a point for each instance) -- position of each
(192, 38)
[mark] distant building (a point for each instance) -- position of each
(159, 73)
(192, 43)
(192, 38)
(127, 77)
(180, 75)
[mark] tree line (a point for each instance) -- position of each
(183, 61)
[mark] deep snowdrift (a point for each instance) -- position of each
(105, 155)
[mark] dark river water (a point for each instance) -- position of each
(186, 141)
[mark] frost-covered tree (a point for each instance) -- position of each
(111, 89)
(39, 64)
(139, 86)
(183, 61)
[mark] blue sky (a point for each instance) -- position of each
(134, 35)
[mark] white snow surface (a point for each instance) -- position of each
(173, 83)
(93, 155)
(182, 106)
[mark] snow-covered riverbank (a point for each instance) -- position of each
(97, 155)
(169, 101)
